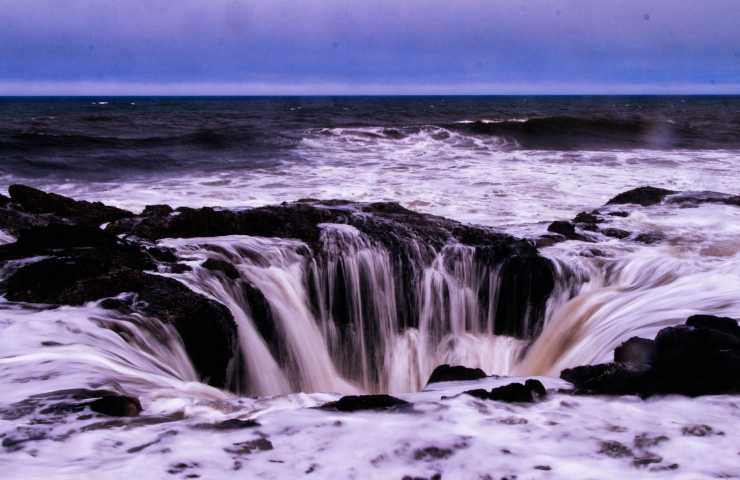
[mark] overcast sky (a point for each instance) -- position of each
(369, 46)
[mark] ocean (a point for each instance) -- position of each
(488, 160)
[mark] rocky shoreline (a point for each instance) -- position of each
(77, 261)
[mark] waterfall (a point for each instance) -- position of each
(597, 305)
(351, 317)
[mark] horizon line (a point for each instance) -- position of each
(328, 89)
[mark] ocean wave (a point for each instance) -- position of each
(567, 132)
(210, 139)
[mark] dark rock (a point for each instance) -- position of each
(447, 373)
(116, 406)
(222, 266)
(650, 237)
(611, 379)
(355, 403)
(615, 449)
(720, 324)
(698, 361)
(157, 211)
(616, 233)
(249, 447)
(644, 196)
(700, 358)
(36, 201)
(163, 254)
(528, 392)
(619, 213)
(638, 351)
(587, 218)
(563, 228)
(548, 240)
(231, 424)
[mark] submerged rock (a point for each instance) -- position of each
(448, 373)
(356, 403)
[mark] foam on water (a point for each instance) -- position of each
(459, 177)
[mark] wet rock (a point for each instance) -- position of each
(698, 431)
(566, 229)
(231, 424)
(36, 201)
(698, 361)
(249, 447)
(644, 196)
(638, 351)
(447, 373)
(611, 379)
(726, 325)
(547, 240)
(116, 406)
(157, 211)
(528, 392)
(433, 453)
(222, 266)
(356, 403)
(699, 358)
(615, 449)
(616, 233)
(650, 237)
(587, 218)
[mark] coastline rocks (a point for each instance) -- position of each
(448, 373)
(529, 392)
(599, 220)
(699, 358)
(356, 403)
(35, 201)
(411, 238)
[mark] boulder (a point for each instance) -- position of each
(644, 196)
(528, 392)
(611, 379)
(356, 403)
(720, 324)
(448, 373)
(699, 358)
(636, 351)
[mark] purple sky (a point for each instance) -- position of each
(385, 46)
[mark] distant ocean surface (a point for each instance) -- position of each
(507, 161)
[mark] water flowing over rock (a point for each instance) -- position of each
(324, 295)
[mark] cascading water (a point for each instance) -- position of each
(331, 321)
(343, 320)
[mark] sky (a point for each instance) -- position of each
(216, 47)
